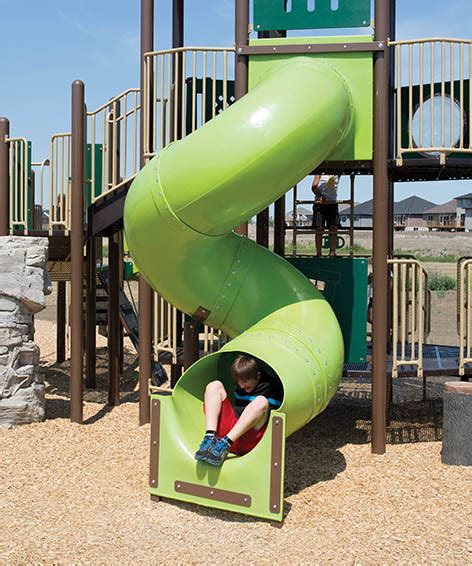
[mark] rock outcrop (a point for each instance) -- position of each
(23, 285)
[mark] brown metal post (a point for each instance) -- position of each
(145, 291)
(242, 65)
(91, 313)
(4, 177)
(113, 319)
(279, 226)
(61, 322)
(77, 250)
(381, 229)
(191, 340)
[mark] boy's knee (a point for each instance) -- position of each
(215, 386)
(261, 403)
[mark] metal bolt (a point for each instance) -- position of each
(229, 284)
(309, 47)
(155, 403)
(212, 492)
(153, 481)
(240, 50)
(245, 500)
(155, 442)
(274, 506)
(276, 464)
(364, 22)
(381, 45)
(345, 46)
(178, 486)
(274, 48)
(217, 308)
(276, 422)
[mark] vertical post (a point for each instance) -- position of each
(241, 69)
(381, 229)
(91, 311)
(279, 226)
(61, 322)
(4, 177)
(114, 319)
(145, 291)
(77, 250)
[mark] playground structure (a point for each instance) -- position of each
(182, 88)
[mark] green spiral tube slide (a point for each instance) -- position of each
(179, 217)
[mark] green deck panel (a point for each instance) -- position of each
(346, 291)
(97, 189)
(193, 194)
(218, 85)
(271, 14)
(356, 69)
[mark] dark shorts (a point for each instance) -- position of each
(227, 420)
(325, 216)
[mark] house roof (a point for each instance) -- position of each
(409, 206)
(446, 208)
(468, 195)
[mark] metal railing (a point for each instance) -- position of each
(410, 313)
(183, 89)
(113, 128)
(60, 182)
(464, 312)
(430, 71)
(19, 184)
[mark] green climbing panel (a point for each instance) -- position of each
(210, 109)
(98, 166)
(345, 288)
(311, 14)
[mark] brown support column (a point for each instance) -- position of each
(279, 226)
(381, 229)
(61, 322)
(114, 319)
(145, 291)
(262, 228)
(191, 351)
(4, 178)
(77, 250)
(31, 220)
(242, 66)
(121, 331)
(91, 313)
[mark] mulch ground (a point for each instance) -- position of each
(73, 494)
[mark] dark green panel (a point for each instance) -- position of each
(97, 189)
(346, 291)
(415, 99)
(272, 15)
(219, 106)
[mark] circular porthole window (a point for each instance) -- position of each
(446, 124)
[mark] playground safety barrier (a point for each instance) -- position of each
(433, 97)
(464, 312)
(114, 143)
(184, 88)
(60, 182)
(410, 313)
(20, 197)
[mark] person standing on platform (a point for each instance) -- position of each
(325, 211)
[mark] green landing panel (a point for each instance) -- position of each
(356, 68)
(210, 111)
(311, 14)
(98, 166)
(345, 281)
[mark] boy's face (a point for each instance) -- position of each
(248, 383)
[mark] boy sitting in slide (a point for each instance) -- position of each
(238, 429)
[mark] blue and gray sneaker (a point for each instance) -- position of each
(209, 440)
(217, 455)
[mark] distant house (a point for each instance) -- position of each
(464, 211)
(408, 214)
(443, 217)
(304, 217)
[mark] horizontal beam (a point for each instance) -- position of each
(303, 49)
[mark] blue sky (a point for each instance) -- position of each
(47, 44)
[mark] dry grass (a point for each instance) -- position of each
(76, 494)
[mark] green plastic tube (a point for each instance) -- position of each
(182, 208)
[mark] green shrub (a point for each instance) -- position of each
(441, 282)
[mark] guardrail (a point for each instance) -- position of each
(464, 312)
(19, 185)
(433, 99)
(184, 88)
(411, 310)
(114, 128)
(60, 182)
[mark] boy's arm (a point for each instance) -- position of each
(314, 186)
